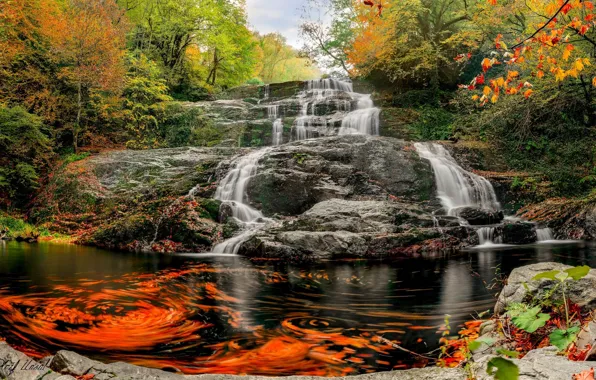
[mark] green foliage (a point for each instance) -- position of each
(531, 320)
(145, 101)
(502, 369)
(548, 134)
(15, 228)
(473, 346)
(25, 150)
(434, 124)
(184, 126)
(74, 157)
(563, 338)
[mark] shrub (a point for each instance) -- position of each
(25, 150)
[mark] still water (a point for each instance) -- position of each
(222, 314)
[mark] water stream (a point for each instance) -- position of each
(457, 187)
(232, 192)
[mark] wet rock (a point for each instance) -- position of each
(520, 285)
(294, 177)
(480, 217)
(15, 365)
(71, 363)
(343, 228)
(568, 218)
(519, 233)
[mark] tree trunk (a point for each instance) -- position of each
(77, 126)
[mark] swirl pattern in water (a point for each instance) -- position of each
(232, 315)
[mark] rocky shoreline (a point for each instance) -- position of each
(67, 365)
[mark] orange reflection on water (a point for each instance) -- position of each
(183, 319)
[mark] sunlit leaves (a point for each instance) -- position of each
(563, 338)
(502, 369)
(531, 320)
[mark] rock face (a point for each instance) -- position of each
(294, 177)
(156, 200)
(344, 228)
(568, 218)
(480, 217)
(15, 365)
(520, 284)
(539, 364)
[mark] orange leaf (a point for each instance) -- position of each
(585, 375)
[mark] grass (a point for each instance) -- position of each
(17, 228)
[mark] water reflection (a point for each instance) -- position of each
(222, 314)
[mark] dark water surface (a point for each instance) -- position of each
(218, 314)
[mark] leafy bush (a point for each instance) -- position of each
(25, 150)
(548, 134)
(184, 126)
(255, 81)
(434, 124)
(14, 228)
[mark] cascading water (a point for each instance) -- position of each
(329, 84)
(278, 132)
(457, 187)
(232, 192)
(363, 120)
(545, 235)
(488, 236)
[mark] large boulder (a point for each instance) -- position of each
(344, 228)
(520, 285)
(296, 176)
(480, 217)
(519, 233)
(158, 200)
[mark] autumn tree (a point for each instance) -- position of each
(280, 62)
(414, 41)
(555, 43)
(88, 45)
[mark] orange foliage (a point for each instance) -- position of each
(550, 53)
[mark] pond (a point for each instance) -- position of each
(229, 314)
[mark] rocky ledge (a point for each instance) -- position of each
(67, 365)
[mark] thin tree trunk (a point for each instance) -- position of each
(77, 126)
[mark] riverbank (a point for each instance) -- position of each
(66, 365)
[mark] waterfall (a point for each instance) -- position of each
(545, 235)
(272, 111)
(489, 236)
(361, 122)
(329, 84)
(457, 187)
(364, 120)
(278, 132)
(232, 191)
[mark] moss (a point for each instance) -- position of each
(211, 209)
